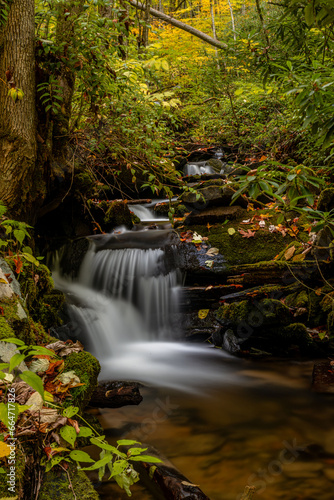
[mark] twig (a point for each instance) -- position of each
(69, 480)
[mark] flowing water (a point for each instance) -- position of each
(198, 168)
(224, 423)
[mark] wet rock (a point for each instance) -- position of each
(215, 194)
(230, 342)
(6, 291)
(326, 200)
(216, 164)
(214, 215)
(118, 214)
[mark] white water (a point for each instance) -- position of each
(198, 169)
(145, 214)
(125, 311)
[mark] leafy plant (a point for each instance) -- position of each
(117, 462)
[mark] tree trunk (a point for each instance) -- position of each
(65, 35)
(19, 183)
(182, 26)
(232, 20)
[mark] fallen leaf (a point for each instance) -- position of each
(299, 257)
(246, 234)
(36, 402)
(39, 365)
(231, 231)
(289, 253)
(74, 424)
(197, 238)
(209, 263)
(189, 484)
(4, 449)
(202, 313)
(65, 348)
(212, 251)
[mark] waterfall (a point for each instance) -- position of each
(125, 309)
(198, 168)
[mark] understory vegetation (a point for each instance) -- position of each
(122, 101)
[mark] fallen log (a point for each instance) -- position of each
(178, 24)
(173, 484)
(165, 481)
(116, 394)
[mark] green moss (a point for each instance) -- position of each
(87, 369)
(260, 315)
(55, 485)
(327, 303)
(326, 200)
(5, 330)
(19, 477)
(330, 324)
(118, 214)
(42, 301)
(263, 246)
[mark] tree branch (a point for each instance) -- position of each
(178, 24)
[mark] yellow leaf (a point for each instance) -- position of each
(202, 313)
(289, 253)
(231, 231)
(299, 257)
(4, 449)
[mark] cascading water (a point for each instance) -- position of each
(198, 168)
(124, 306)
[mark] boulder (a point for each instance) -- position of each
(326, 200)
(212, 195)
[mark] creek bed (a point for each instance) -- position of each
(273, 433)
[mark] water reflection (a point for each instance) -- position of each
(276, 435)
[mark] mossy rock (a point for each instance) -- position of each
(236, 249)
(5, 330)
(330, 324)
(87, 368)
(118, 214)
(163, 208)
(42, 301)
(326, 200)
(55, 485)
(210, 195)
(245, 317)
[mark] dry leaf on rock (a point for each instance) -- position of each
(212, 251)
(69, 378)
(39, 365)
(22, 392)
(65, 348)
(202, 313)
(36, 402)
(289, 253)
(209, 263)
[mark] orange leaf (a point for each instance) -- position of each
(263, 158)
(246, 234)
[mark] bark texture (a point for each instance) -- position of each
(18, 175)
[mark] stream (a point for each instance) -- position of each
(224, 422)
